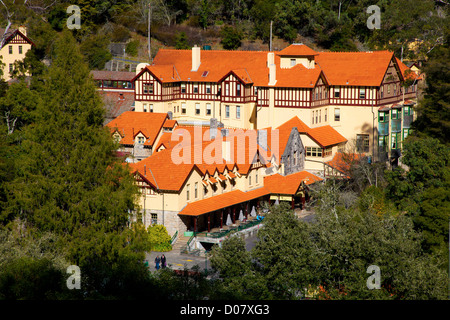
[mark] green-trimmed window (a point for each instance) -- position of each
(383, 117)
(395, 140)
(383, 142)
(395, 115)
(407, 110)
(406, 133)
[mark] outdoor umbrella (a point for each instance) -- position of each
(277, 202)
(229, 222)
(241, 215)
(253, 212)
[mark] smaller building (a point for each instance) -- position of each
(15, 44)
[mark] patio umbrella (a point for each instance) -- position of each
(277, 202)
(241, 215)
(253, 212)
(229, 222)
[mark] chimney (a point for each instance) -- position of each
(212, 128)
(226, 150)
(23, 30)
(170, 115)
(224, 132)
(270, 58)
(272, 75)
(195, 58)
(262, 139)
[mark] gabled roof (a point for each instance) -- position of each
(112, 75)
(11, 34)
(406, 71)
(324, 136)
(354, 68)
(130, 123)
(278, 184)
(297, 49)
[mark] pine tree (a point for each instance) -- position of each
(68, 180)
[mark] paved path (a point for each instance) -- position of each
(177, 261)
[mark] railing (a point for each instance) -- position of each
(187, 249)
(223, 233)
(174, 238)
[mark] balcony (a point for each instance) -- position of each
(407, 120)
(396, 125)
(383, 128)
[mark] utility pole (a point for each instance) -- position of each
(149, 22)
(270, 41)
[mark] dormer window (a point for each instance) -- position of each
(293, 62)
(238, 89)
(141, 140)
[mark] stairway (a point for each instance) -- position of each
(180, 243)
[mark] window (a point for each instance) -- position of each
(145, 107)
(341, 147)
(183, 108)
(154, 218)
(205, 191)
(327, 152)
(293, 63)
(395, 89)
(187, 191)
(148, 88)
(10, 49)
(256, 176)
(320, 116)
(227, 111)
(312, 118)
(337, 92)
(407, 111)
(11, 67)
(406, 133)
(183, 88)
(395, 140)
(326, 114)
(381, 92)
(151, 108)
(362, 93)
(383, 117)
(249, 179)
(227, 89)
(389, 89)
(197, 108)
(317, 114)
(141, 140)
(295, 158)
(337, 114)
(395, 115)
(238, 112)
(195, 87)
(362, 143)
(196, 190)
(208, 88)
(208, 109)
(238, 89)
(313, 152)
(20, 49)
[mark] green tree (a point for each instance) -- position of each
(231, 38)
(67, 179)
(95, 49)
(181, 41)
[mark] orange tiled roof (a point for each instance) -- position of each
(297, 49)
(342, 161)
(324, 136)
(354, 68)
(278, 184)
(169, 123)
(130, 123)
(404, 68)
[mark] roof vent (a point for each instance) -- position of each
(205, 73)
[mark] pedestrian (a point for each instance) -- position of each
(163, 261)
(157, 261)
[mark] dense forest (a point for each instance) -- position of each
(65, 198)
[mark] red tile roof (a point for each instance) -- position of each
(297, 49)
(278, 184)
(324, 136)
(130, 123)
(343, 161)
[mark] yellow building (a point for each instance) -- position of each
(260, 89)
(14, 47)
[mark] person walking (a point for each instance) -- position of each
(163, 261)
(157, 261)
